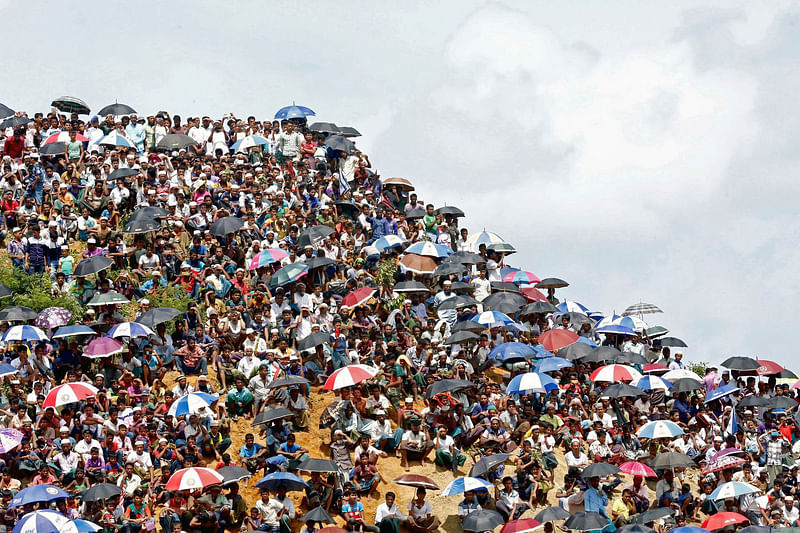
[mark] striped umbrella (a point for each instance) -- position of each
(69, 393)
(641, 309)
(45, 521)
(463, 484)
(191, 404)
(10, 438)
(129, 329)
(357, 297)
(429, 249)
(249, 142)
(484, 237)
(652, 383)
(389, 241)
(103, 347)
(53, 317)
(349, 375)
(24, 333)
(612, 373)
(63, 137)
(521, 277)
(659, 429)
(267, 257)
(193, 478)
(635, 468)
(488, 318)
(732, 489)
(531, 382)
(116, 138)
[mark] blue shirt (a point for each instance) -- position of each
(595, 500)
(246, 452)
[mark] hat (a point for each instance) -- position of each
(293, 358)
(90, 241)
(214, 423)
(379, 412)
(248, 331)
(717, 439)
(338, 432)
(162, 439)
(144, 301)
(64, 429)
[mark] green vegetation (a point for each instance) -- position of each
(35, 291)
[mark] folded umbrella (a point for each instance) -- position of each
(483, 520)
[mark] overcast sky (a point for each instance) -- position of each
(641, 151)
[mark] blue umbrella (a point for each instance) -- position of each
(572, 307)
(45, 521)
(688, 529)
(84, 526)
(24, 333)
(551, 364)
(7, 370)
(721, 392)
(285, 480)
(512, 351)
(249, 142)
(38, 494)
(293, 111)
(73, 331)
(586, 340)
(129, 329)
(615, 329)
(489, 318)
(464, 484)
(542, 352)
(191, 403)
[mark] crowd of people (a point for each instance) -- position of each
(322, 300)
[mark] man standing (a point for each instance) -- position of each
(448, 315)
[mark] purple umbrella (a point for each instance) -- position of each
(723, 453)
(9, 439)
(52, 317)
(102, 347)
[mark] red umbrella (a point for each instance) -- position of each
(722, 463)
(349, 375)
(523, 525)
(721, 520)
(63, 137)
(555, 339)
(357, 297)
(768, 367)
(533, 294)
(654, 368)
(637, 469)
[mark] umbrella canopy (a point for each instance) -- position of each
(70, 104)
(502, 286)
(129, 329)
(103, 347)
(532, 294)
(487, 463)
(110, 297)
(288, 381)
(632, 358)
(45, 521)
(234, 474)
(10, 438)
(324, 127)
(492, 318)
(7, 370)
(64, 137)
(53, 317)
(768, 368)
(416, 213)
(116, 138)
(159, 315)
(389, 241)
(226, 226)
(50, 149)
(5, 111)
(24, 333)
(4, 290)
(281, 480)
(538, 307)
(483, 520)
(417, 480)
(460, 337)
(670, 341)
(267, 257)
(446, 269)
(685, 384)
(505, 302)
(551, 283)
(418, 264)
(672, 460)
(622, 390)
(635, 528)
(150, 212)
(403, 183)
(531, 382)
(575, 351)
(512, 351)
(339, 143)
(288, 274)
(602, 353)
(659, 429)
(175, 141)
(429, 249)
(411, 287)
(348, 209)
(641, 309)
(357, 298)
(314, 235)
(599, 470)
(449, 210)
(584, 521)
(92, 265)
(349, 131)
(723, 463)
(312, 340)
(464, 484)
(741, 363)
(193, 478)
(447, 385)
(349, 375)
(249, 142)
(484, 237)
(69, 393)
(191, 404)
(652, 383)
(721, 392)
(555, 339)
(117, 109)
(318, 465)
(521, 277)
(293, 111)
(635, 468)
(270, 415)
(466, 258)
(651, 515)
(38, 494)
(17, 313)
(317, 514)
(722, 520)
(612, 373)
(124, 173)
(551, 364)
(101, 491)
(551, 513)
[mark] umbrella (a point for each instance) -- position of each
(5, 111)
(51, 149)
(389, 241)
(418, 264)
(324, 127)
(347, 208)
(575, 351)
(417, 480)
(722, 520)
(484, 237)
(69, 393)
(410, 286)
(612, 373)
(73, 331)
(447, 385)
(531, 382)
(635, 468)
(349, 131)
(466, 325)
(555, 339)
(106, 298)
(416, 213)
(654, 368)
(357, 298)
(651, 515)
(466, 258)
(723, 463)
(13, 122)
(339, 143)
(756, 529)
(175, 141)
(652, 383)
(317, 514)
(741, 363)
(721, 392)
(92, 265)
(754, 401)
(37, 494)
(460, 337)
(226, 225)
(64, 137)
(505, 302)
(312, 340)
(726, 452)
(532, 294)
(281, 480)
(781, 402)
(584, 521)
(7, 370)
(10, 438)
(314, 235)
(234, 474)
(449, 210)
(551, 364)
(446, 269)
(599, 470)
(464, 484)
(521, 277)
(659, 429)
(641, 309)
(288, 274)
(267, 257)
(686, 385)
(103, 347)
(150, 212)
(503, 247)
(288, 381)
(502, 286)
(84, 526)
(429, 249)
(318, 262)
(5, 290)
(349, 375)
(117, 109)
(622, 390)
(516, 351)
(672, 460)
(159, 315)
(123, 173)
(116, 138)
(632, 358)
(492, 318)
(191, 404)
(193, 478)
(270, 415)
(24, 333)
(249, 142)
(101, 491)
(551, 283)
(669, 341)
(635, 528)
(615, 329)
(538, 307)
(17, 313)
(487, 463)
(45, 521)
(551, 513)
(129, 329)
(318, 465)
(483, 520)
(602, 353)
(403, 183)
(768, 367)
(293, 111)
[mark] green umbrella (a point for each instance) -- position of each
(288, 274)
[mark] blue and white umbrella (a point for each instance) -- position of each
(587, 341)
(652, 383)
(116, 138)
(7, 370)
(46, 521)
(84, 526)
(129, 329)
(464, 484)
(294, 111)
(531, 382)
(614, 329)
(38, 494)
(732, 489)
(389, 241)
(634, 323)
(492, 319)
(568, 306)
(484, 237)
(721, 392)
(430, 249)
(73, 331)
(191, 404)
(551, 364)
(659, 429)
(24, 333)
(249, 142)
(512, 351)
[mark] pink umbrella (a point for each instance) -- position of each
(357, 297)
(533, 294)
(349, 375)
(722, 463)
(635, 468)
(654, 368)
(723, 453)
(102, 347)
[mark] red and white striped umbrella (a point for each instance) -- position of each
(349, 375)
(357, 297)
(193, 478)
(614, 373)
(63, 137)
(69, 393)
(635, 468)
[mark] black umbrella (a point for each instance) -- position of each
(141, 225)
(410, 286)
(632, 358)
(318, 465)
(175, 141)
(651, 515)
(551, 283)
(635, 528)
(445, 269)
(101, 491)
(13, 122)
(56, 148)
(461, 287)
(505, 302)
(504, 286)
(117, 109)
(781, 402)
(226, 225)
(603, 353)
(271, 414)
(466, 258)
(234, 474)
(447, 385)
(312, 340)
(686, 385)
(575, 351)
(5, 290)
(347, 208)
(123, 173)
(741, 363)
(415, 214)
(156, 316)
(460, 337)
(349, 131)
(673, 460)
(670, 341)
(288, 381)
(449, 210)
(281, 480)
(483, 520)
(754, 401)
(70, 104)
(539, 307)
(599, 469)
(17, 313)
(551, 513)
(622, 390)
(585, 521)
(319, 262)
(5, 111)
(317, 514)
(313, 235)
(576, 318)
(340, 143)
(467, 325)
(149, 212)
(488, 463)
(458, 302)
(324, 127)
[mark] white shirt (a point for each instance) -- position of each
(384, 511)
(483, 288)
(419, 512)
